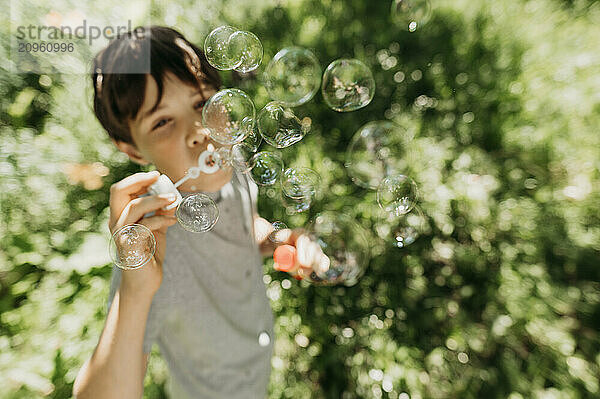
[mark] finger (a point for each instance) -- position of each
(167, 212)
(262, 229)
(122, 190)
(293, 237)
(137, 208)
(323, 264)
(284, 258)
(158, 222)
(281, 236)
(307, 251)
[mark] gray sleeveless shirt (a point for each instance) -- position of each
(212, 307)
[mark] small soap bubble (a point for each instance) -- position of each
(197, 213)
(229, 116)
(299, 185)
(247, 48)
(278, 235)
(279, 126)
(397, 194)
(348, 85)
(264, 339)
(408, 227)
(378, 149)
(344, 249)
(411, 14)
(216, 48)
(293, 76)
(266, 168)
(132, 246)
(300, 182)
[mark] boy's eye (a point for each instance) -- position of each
(200, 104)
(160, 123)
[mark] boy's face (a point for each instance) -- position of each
(172, 137)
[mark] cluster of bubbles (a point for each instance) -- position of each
(228, 48)
(379, 157)
(293, 77)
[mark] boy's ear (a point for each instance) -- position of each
(131, 152)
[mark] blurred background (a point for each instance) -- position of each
(501, 299)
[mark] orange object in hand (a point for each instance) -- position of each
(285, 257)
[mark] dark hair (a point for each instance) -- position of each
(119, 94)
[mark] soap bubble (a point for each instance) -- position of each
(397, 194)
(348, 85)
(378, 149)
(229, 115)
(300, 182)
(293, 76)
(411, 13)
(299, 185)
(266, 168)
(279, 126)
(408, 227)
(253, 139)
(345, 246)
(132, 246)
(247, 48)
(197, 213)
(278, 235)
(216, 48)
(241, 156)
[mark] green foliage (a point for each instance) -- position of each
(500, 299)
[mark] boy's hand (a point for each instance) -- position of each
(300, 255)
(307, 254)
(126, 207)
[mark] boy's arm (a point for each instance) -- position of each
(117, 367)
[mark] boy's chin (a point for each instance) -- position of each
(207, 183)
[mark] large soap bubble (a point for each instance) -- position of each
(229, 116)
(266, 168)
(132, 246)
(345, 245)
(239, 157)
(397, 194)
(293, 76)
(411, 13)
(216, 48)
(197, 213)
(348, 85)
(247, 48)
(279, 126)
(378, 149)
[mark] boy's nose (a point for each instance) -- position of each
(198, 135)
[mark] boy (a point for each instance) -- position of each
(201, 297)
